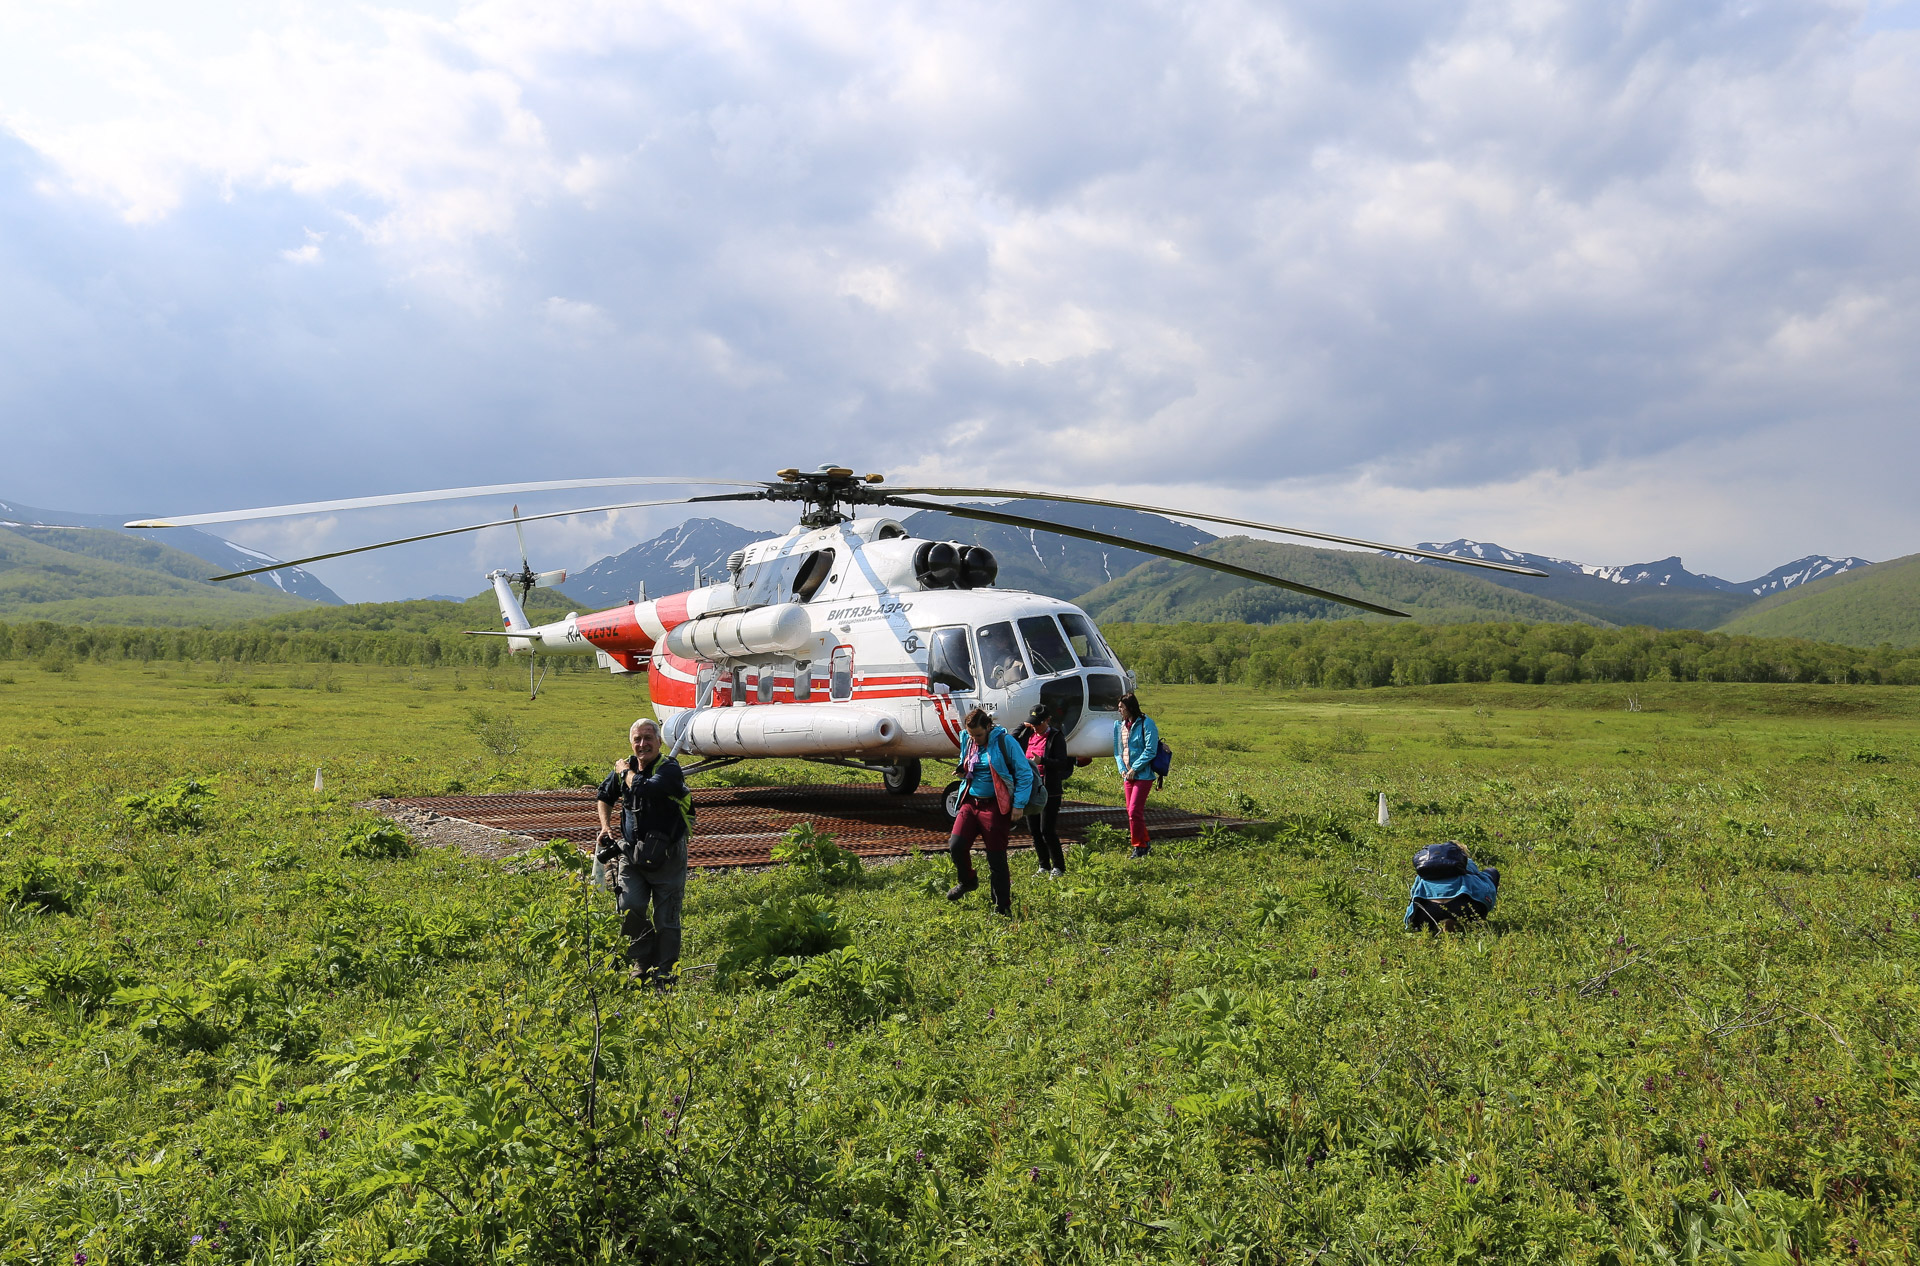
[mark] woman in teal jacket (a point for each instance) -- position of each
(987, 750)
(1136, 739)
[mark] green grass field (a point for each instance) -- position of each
(244, 1024)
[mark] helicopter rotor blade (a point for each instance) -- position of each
(1221, 518)
(526, 568)
(441, 494)
(1122, 542)
(475, 527)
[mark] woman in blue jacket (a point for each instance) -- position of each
(1136, 739)
(987, 751)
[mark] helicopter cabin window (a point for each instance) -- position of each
(802, 681)
(949, 663)
(1045, 647)
(840, 674)
(703, 686)
(812, 574)
(1103, 692)
(1000, 661)
(1086, 641)
(768, 677)
(739, 685)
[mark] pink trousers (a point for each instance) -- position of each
(1137, 810)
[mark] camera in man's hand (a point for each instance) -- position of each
(609, 849)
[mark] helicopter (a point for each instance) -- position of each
(847, 641)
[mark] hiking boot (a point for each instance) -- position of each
(1056, 873)
(1040, 873)
(960, 890)
(1141, 850)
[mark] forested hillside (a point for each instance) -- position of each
(1162, 591)
(85, 575)
(1862, 608)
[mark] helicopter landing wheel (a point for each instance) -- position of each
(950, 800)
(902, 779)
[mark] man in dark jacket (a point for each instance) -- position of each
(653, 798)
(1045, 744)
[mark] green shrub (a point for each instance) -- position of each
(845, 986)
(817, 855)
(378, 841)
(47, 882)
(180, 808)
(766, 941)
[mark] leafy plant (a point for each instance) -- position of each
(765, 942)
(378, 841)
(818, 855)
(845, 984)
(179, 808)
(47, 882)
(499, 732)
(1272, 911)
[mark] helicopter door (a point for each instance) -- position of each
(1001, 665)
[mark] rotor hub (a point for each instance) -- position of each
(824, 490)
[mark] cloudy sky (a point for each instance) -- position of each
(1608, 281)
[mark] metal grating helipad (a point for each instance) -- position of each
(737, 826)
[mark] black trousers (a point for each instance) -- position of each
(1044, 827)
(999, 878)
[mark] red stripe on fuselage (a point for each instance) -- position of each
(615, 631)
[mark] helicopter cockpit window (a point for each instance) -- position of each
(949, 663)
(1000, 662)
(840, 673)
(1045, 647)
(812, 574)
(1086, 641)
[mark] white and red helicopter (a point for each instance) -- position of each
(846, 641)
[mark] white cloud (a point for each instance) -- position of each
(1413, 257)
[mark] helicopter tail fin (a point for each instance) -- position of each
(512, 616)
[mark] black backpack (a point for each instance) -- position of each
(1445, 860)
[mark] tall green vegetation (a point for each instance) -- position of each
(1353, 653)
(245, 1021)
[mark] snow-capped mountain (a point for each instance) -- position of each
(1666, 572)
(214, 549)
(1800, 571)
(665, 564)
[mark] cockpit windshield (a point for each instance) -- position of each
(1000, 661)
(1045, 647)
(1086, 641)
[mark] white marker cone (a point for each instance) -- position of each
(1383, 808)
(318, 783)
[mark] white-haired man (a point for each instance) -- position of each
(656, 825)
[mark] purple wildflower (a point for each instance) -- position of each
(279, 1105)
(223, 1224)
(1473, 1180)
(79, 1259)
(196, 1239)
(1819, 1101)
(1034, 1173)
(990, 1013)
(829, 1045)
(1314, 974)
(919, 1155)
(1613, 993)
(325, 1134)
